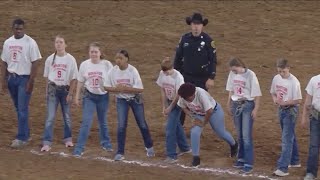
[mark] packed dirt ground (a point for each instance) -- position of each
(257, 32)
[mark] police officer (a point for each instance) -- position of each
(196, 55)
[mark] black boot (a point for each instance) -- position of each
(195, 161)
(234, 150)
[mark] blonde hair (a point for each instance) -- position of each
(166, 65)
(98, 45)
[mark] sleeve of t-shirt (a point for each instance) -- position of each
(159, 80)
(272, 88)
(137, 82)
(81, 73)
(205, 100)
(229, 86)
(297, 91)
(181, 103)
(47, 66)
(34, 51)
(309, 87)
(108, 79)
(74, 71)
(5, 52)
(179, 82)
(255, 86)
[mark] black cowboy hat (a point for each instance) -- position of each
(197, 19)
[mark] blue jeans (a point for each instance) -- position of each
(243, 122)
(175, 134)
(92, 102)
(17, 88)
(57, 95)
(138, 112)
(289, 151)
(313, 157)
(217, 124)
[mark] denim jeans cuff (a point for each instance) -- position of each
(47, 143)
(106, 145)
(69, 139)
(172, 156)
(285, 170)
(248, 165)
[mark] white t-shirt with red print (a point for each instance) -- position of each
(19, 54)
(244, 86)
(94, 75)
(62, 71)
(170, 83)
(286, 89)
(201, 103)
(129, 77)
(313, 89)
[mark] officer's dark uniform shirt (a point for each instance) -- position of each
(196, 56)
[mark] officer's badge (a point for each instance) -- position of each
(213, 44)
(185, 44)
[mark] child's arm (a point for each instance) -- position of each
(73, 85)
(256, 107)
(163, 100)
(125, 89)
(79, 87)
(172, 105)
(229, 103)
(274, 98)
(306, 110)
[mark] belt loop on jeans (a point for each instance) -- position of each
(215, 107)
(59, 87)
(17, 75)
(240, 101)
(287, 107)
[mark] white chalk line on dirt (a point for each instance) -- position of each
(215, 171)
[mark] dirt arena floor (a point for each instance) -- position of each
(257, 32)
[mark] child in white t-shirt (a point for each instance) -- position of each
(312, 109)
(203, 109)
(243, 101)
(125, 81)
(92, 75)
(61, 70)
(170, 81)
(286, 94)
(20, 59)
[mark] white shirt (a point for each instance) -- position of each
(201, 103)
(94, 75)
(129, 77)
(313, 89)
(286, 89)
(19, 54)
(244, 85)
(62, 71)
(171, 83)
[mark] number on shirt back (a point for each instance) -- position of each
(14, 56)
(239, 91)
(95, 82)
(59, 74)
(169, 92)
(280, 95)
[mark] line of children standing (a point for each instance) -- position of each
(97, 78)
